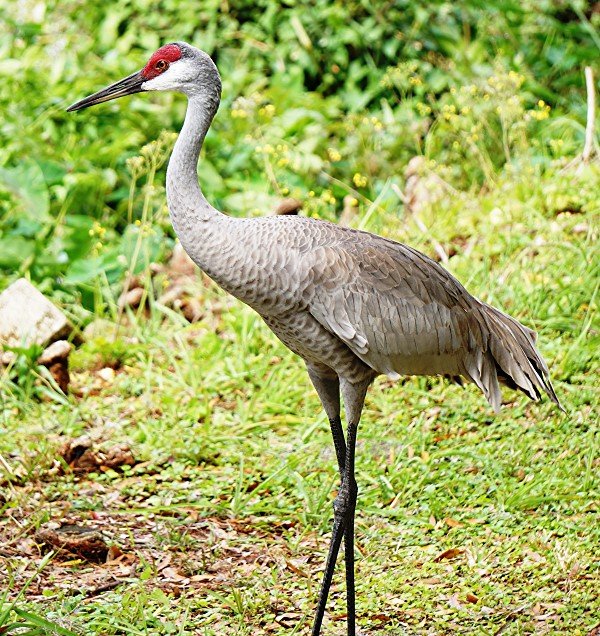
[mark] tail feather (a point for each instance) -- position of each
(511, 357)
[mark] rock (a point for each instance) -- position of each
(192, 309)
(288, 206)
(173, 296)
(56, 352)
(56, 359)
(181, 264)
(107, 374)
(27, 317)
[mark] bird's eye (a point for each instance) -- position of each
(161, 65)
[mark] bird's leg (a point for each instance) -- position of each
(334, 548)
(344, 505)
(343, 527)
(327, 386)
(348, 494)
(354, 399)
(339, 442)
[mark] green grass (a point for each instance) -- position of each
(223, 521)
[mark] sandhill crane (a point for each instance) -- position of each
(353, 305)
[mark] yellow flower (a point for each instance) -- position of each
(360, 181)
(327, 197)
(333, 154)
(267, 111)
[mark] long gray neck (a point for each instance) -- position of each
(187, 205)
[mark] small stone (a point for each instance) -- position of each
(28, 317)
(173, 296)
(107, 374)
(82, 458)
(581, 228)
(87, 543)
(56, 352)
(56, 359)
(288, 206)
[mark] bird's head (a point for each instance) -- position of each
(174, 67)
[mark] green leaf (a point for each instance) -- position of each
(84, 271)
(26, 182)
(49, 626)
(14, 250)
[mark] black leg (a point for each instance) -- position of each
(334, 548)
(339, 442)
(338, 527)
(343, 527)
(350, 508)
(344, 506)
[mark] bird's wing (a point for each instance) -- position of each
(402, 313)
(396, 309)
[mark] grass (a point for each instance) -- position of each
(468, 523)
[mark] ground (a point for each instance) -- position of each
(206, 472)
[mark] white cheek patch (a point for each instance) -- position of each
(171, 80)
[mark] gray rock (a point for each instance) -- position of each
(56, 352)
(27, 317)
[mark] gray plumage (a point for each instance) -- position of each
(353, 305)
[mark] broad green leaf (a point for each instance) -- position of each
(26, 182)
(14, 250)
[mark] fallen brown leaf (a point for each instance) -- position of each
(450, 553)
(452, 523)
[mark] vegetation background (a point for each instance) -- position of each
(469, 523)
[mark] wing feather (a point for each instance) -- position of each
(402, 313)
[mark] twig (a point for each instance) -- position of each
(103, 588)
(590, 127)
(590, 144)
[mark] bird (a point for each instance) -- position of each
(351, 304)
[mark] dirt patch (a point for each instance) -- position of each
(98, 551)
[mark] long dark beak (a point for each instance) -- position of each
(127, 86)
